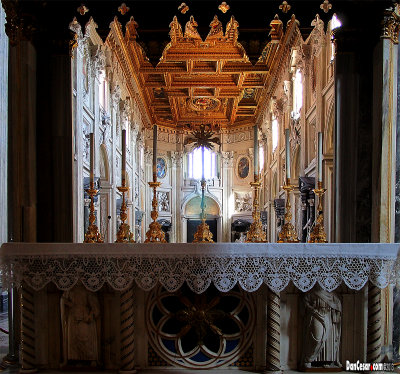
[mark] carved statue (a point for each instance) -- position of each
(232, 32)
(216, 29)
(322, 324)
(80, 312)
(191, 29)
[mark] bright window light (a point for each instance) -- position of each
(274, 134)
(261, 157)
(297, 95)
(195, 164)
(335, 22)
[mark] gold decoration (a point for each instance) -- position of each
(391, 24)
(124, 234)
(123, 9)
(82, 9)
(203, 137)
(155, 233)
(284, 7)
(288, 233)
(318, 234)
(183, 8)
(200, 316)
(224, 7)
(256, 234)
(203, 233)
(326, 6)
(191, 29)
(131, 29)
(92, 234)
(217, 30)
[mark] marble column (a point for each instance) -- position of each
(385, 124)
(353, 153)
(227, 180)
(22, 142)
(177, 178)
(3, 126)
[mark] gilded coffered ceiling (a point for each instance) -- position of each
(202, 80)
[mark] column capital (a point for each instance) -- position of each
(391, 24)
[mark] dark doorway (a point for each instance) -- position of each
(192, 225)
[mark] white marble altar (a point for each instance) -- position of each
(127, 277)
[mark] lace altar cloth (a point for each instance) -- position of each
(223, 264)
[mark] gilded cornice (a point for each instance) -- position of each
(291, 37)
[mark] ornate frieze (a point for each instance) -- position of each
(239, 136)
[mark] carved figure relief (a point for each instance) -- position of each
(163, 201)
(322, 328)
(243, 202)
(80, 314)
(191, 29)
(243, 167)
(216, 29)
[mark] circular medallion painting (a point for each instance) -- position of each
(203, 331)
(204, 104)
(161, 168)
(243, 167)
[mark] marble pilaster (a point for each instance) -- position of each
(3, 126)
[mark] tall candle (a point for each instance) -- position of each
(287, 148)
(320, 157)
(91, 159)
(154, 152)
(202, 162)
(123, 166)
(256, 151)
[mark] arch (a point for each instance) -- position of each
(195, 195)
(192, 207)
(104, 164)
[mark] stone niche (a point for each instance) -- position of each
(49, 337)
(353, 327)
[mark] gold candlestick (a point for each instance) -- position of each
(124, 234)
(288, 233)
(256, 234)
(203, 233)
(318, 234)
(92, 234)
(155, 233)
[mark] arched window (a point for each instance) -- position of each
(103, 91)
(195, 164)
(261, 158)
(275, 134)
(297, 95)
(334, 24)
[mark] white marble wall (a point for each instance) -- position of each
(3, 126)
